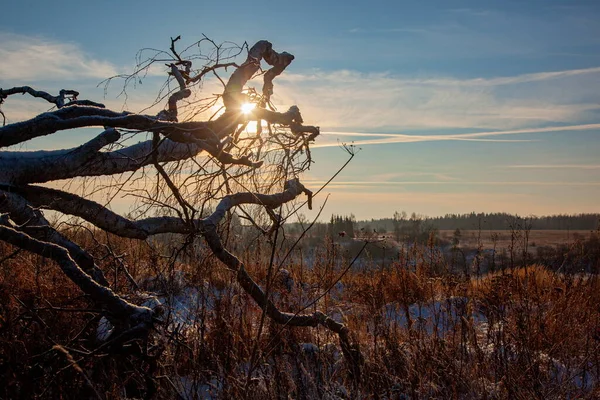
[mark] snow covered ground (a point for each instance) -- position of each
(436, 317)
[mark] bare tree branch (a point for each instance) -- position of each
(102, 294)
(233, 97)
(33, 222)
(59, 100)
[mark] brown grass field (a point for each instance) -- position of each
(525, 333)
(552, 238)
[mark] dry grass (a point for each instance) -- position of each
(528, 333)
(501, 239)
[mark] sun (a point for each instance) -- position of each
(248, 107)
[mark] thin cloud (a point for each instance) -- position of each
(415, 139)
(390, 176)
(348, 75)
(27, 58)
(476, 136)
(583, 127)
(454, 183)
(556, 166)
(346, 99)
(45, 63)
(511, 80)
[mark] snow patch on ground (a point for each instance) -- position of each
(434, 317)
(194, 389)
(180, 309)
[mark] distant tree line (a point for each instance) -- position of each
(498, 221)
(342, 226)
(486, 221)
(417, 227)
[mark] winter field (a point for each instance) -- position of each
(427, 329)
(502, 238)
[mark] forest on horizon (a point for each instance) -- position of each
(402, 222)
(489, 221)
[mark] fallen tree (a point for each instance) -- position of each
(194, 174)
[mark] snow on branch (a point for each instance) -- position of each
(233, 96)
(64, 98)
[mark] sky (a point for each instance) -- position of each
(454, 106)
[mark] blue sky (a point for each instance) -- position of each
(457, 106)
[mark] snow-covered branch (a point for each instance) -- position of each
(70, 96)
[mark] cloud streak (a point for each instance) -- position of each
(348, 76)
(342, 100)
(52, 65)
(27, 58)
(388, 138)
(556, 166)
(453, 183)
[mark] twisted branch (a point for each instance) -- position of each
(233, 96)
(59, 100)
(102, 294)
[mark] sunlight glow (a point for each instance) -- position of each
(248, 107)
